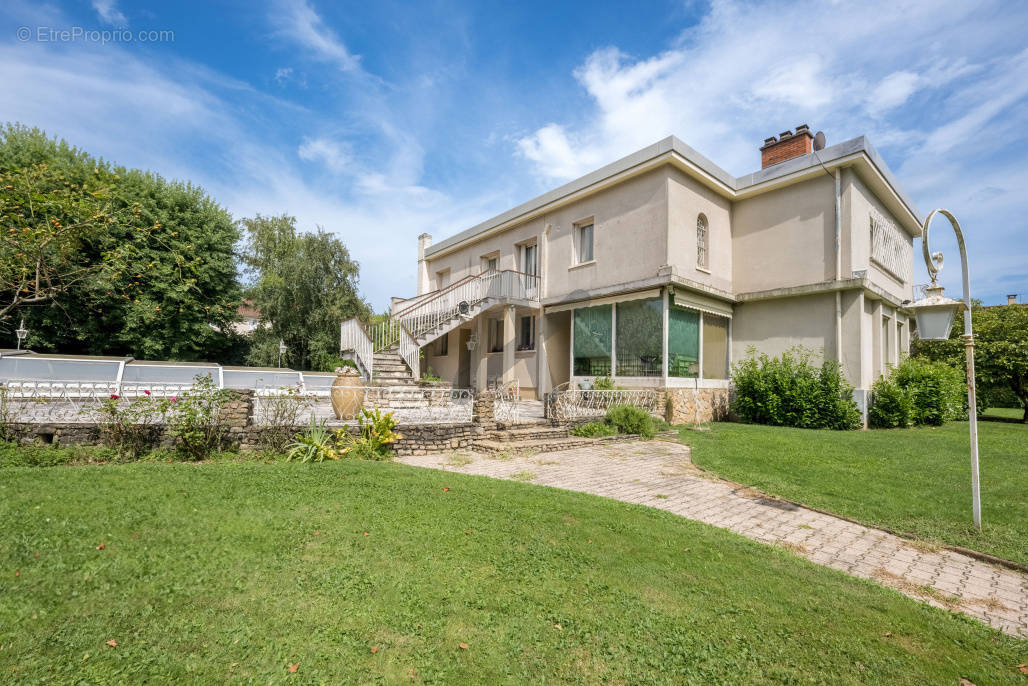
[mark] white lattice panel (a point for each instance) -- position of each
(891, 248)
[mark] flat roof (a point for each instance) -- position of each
(171, 363)
(715, 176)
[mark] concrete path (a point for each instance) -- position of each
(660, 474)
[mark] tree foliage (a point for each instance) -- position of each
(149, 269)
(1000, 354)
(304, 285)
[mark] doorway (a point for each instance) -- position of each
(464, 360)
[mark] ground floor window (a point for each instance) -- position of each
(639, 339)
(683, 342)
(633, 330)
(526, 334)
(496, 335)
(592, 340)
(715, 346)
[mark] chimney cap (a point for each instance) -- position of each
(770, 141)
(802, 128)
(785, 134)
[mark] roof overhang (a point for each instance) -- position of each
(857, 153)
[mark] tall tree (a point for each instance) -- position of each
(1001, 350)
(304, 285)
(163, 282)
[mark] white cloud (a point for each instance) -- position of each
(109, 12)
(300, 23)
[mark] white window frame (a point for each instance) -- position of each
(702, 246)
(579, 234)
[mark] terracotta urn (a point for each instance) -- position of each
(347, 393)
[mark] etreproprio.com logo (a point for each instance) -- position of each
(80, 34)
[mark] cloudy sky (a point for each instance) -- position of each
(379, 121)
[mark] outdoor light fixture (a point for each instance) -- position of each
(281, 351)
(934, 314)
(21, 332)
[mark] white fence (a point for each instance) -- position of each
(568, 403)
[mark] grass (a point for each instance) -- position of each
(913, 481)
(1015, 413)
(362, 572)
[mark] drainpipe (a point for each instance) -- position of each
(838, 264)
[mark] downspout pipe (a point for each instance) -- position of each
(838, 264)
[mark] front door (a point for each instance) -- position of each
(464, 360)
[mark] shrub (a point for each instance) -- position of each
(603, 383)
(195, 417)
(935, 393)
(594, 430)
(130, 427)
(631, 420)
(793, 391)
(890, 405)
(377, 435)
(279, 416)
(316, 444)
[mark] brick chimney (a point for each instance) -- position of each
(786, 146)
(1012, 299)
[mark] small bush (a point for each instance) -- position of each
(594, 430)
(195, 417)
(603, 383)
(280, 414)
(130, 427)
(315, 444)
(377, 435)
(934, 392)
(793, 391)
(631, 420)
(890, 406)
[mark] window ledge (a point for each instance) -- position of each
(582, 264)
(523, 353)
(703, 269)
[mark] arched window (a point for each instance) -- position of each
(702, 242)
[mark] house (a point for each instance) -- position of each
(662, 269)
(250, 319)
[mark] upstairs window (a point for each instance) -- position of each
(702, 243)
(490, 263)
(529, 259)
(584, 243)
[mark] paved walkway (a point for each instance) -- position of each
(660, 474)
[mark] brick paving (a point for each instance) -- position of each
(661, 475)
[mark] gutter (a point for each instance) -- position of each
(838, 264)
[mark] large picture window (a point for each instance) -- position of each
(640, 330)
(592, 341)
(683, 342)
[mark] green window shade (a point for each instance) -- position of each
(683, 342)
(715, 346)
(640, 329)
(592, 330)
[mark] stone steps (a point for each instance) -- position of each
(544, 445)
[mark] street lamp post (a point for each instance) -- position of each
(21, 332)
(281, 351)
(935, 313)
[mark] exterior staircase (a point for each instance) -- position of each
(391, 370)
(431, 315)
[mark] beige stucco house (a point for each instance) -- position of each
(662, 269)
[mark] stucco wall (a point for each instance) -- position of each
(629, 239)
(774, 326)
(445, 366)
(785, 238)
(857, 211)
(686, 200)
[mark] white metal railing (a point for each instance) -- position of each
(430, 314)
(508, 401)
(570, 403)
(410, 351)
(409, 404)
(354, 337)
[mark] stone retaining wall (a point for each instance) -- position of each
(696, 405)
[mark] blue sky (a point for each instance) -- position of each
(379, 121)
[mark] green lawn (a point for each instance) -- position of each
(913, 481)
(1005, 412)
(232, 571)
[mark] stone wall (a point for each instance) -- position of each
(696, 405)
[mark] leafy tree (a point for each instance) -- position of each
(160, 278)
(304, 285)
(45, 220)
(1000, 353)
